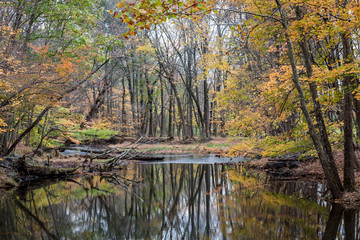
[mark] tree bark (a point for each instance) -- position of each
(162, 113)
(349, 153)
(331, 177)
(206, 117)
(123, 111)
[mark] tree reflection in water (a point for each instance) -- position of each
(179, 201)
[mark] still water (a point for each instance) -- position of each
(175, 201)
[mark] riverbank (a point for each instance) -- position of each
(309, 170)
(88, 163)
(217, 145)
(285, 168)
(306, 169)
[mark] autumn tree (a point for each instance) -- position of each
(308, 44)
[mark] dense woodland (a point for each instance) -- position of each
(284, 75)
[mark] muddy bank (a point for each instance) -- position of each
(289, 166)
(308, 169)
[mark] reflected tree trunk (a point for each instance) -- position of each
(349, 220)
(207, 198)
(333, 222)
(36, 219)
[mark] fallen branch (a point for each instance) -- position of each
(83, 150)
(126, 155)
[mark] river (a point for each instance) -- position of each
(175, 199)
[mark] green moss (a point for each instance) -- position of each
(93, 133)
(211, 145)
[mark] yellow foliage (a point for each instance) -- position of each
(101, 124)
(145, 48)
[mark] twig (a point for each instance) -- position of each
(3, 166)
(126, 155)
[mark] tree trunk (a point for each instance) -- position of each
(123, 111)
(206, 110)
(171, 103)
(131, 92)
(149, 107)
(356, 103)
(331, 177)
(320, 123)
(28, 129)
(180, 109)
(349, 154)
(206, 96)
(162, 114)
(95, 107)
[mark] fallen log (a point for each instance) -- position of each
(101, 156)
(25, 169)
(147, 158)
(130, 153)
(82, 149)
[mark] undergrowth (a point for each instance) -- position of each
(93, 133)
(271, 147)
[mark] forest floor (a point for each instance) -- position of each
(217, 145)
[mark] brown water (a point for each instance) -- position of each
(175, 201)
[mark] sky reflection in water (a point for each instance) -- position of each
(174, 201)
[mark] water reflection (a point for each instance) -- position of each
(175, 201)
